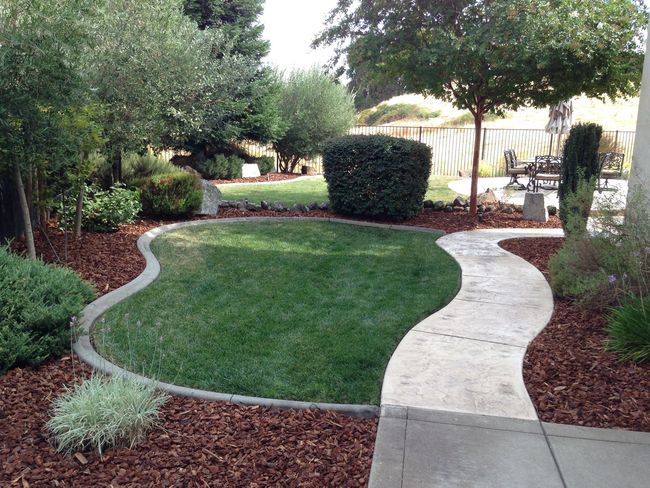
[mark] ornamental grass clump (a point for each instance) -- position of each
(103, 412)
(628, 328)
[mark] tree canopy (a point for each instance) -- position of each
(490, 56)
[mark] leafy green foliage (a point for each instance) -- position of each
(36, 304)
(314, 108)
(579, 165)
(628, 327)
(136, 166)
(489, 57)
(103, 210)
(377, 175)
(101, 413)
(384, 113)
(266, 164)
(609, 267)
(221, 167)
(171, 194)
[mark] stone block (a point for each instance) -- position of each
(534, 207)
(250, 171)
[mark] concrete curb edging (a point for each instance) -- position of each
(86, 352)
(280, 182)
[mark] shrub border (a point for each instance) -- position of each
(87, 353)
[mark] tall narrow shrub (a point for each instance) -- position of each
(580, 163)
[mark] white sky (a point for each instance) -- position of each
(291, 25)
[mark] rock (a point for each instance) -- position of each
(458, 208)
(465, 173)
(264, 205)
(480, 209)
(449, 208)
(211, 199)
(189, 169)
(313, 206)
(250, 170)
(534, 208)
(489, 208)
(508, 210)
(308, 170)
(480, 217)
(487, 198)
(241, 206)
(303, 208)
(459, 202)
(552, 210)
(428, 204)
(324, 206)
(439, 205)
(252, 207)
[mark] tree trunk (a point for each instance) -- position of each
(117, 166)
(79, 211)
(24, 208)
(42, 210)
(478, 122)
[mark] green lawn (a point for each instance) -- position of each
(296, 310)
(315, 190)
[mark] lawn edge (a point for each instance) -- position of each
(87, 353)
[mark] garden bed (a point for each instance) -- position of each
(570, 376)
(200, 443)
(260, 179)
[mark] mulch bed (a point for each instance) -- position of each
(199, 443)
(570, 376)
(260, 179)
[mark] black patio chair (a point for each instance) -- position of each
(611, 166)
(547, 171)
(514, 168)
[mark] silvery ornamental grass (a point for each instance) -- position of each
(104, 412)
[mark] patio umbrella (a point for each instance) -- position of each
(560, 120)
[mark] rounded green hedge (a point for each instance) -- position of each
(376, 175)
(37, 302)
(171, 194)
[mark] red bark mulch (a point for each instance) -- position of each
(260, 179)
(199, 444)
(570, 376)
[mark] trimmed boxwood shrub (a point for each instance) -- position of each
(171, 195)
(266, 164)
(222, 167)
(37, 302)
(376, 175)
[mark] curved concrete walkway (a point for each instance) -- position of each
(455, 411)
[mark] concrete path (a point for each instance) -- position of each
(455, 410)
(516, 197)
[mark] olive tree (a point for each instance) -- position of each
(489, 56)
(314, 108)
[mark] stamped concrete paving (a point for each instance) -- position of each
(455, 410)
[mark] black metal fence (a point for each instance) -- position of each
(452, 147)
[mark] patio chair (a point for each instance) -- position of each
(611, 166)
(514, 168)
(547, 171)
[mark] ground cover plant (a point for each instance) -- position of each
(296, 310)
(315, 190)
(36, 304)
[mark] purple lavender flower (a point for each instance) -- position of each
(612, 279)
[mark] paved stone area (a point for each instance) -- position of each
(455, 411)
(516, 197)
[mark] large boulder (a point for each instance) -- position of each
(487, 198)
(211, 199)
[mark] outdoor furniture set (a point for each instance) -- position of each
(545, 171)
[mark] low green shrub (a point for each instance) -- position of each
(611, 264)
(221, 167)
(376, 175)
(36, 304)
(101, 413)
(136, 166)
(170, 195)
(385, 113)
(628, 327)
(266, 164)
(103, 210)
